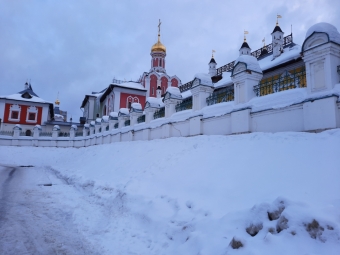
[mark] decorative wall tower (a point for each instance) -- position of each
(212, 65)
(277, 39)
(245, 49)
(158, 53)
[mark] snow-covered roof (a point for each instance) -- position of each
(287, 55)
(19, 97)
(58, 117)
(327, 28)
(131, 85)
(204, 78)
(250, 61)
(186, 94)
(154, 102)
(226, 79)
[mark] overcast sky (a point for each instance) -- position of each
(77, 46)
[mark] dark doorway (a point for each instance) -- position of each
(28, 132)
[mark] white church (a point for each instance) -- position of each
(280, 87)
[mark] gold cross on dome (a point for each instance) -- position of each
(159, 26)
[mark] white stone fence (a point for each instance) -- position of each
(311, 114)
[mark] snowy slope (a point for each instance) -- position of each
(194, 195)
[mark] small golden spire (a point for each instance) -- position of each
(57, 102)
(277, 19)
(245, 33)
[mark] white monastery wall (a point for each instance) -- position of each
(313, 115)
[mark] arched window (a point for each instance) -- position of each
(104, 110)
(129, 101)
(160, 62)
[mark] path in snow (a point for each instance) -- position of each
(38, 219)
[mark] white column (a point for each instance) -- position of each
(134, 116)
(170, 106)
(321, 67)
(149, 112)
(244, 83)
(199, 96)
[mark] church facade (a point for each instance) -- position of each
(122, 94)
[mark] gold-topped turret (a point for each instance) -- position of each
(57, 102)
(158, 46)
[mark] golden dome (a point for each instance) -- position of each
(57, 102)
(158, 46)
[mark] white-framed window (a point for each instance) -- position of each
(131, 100)
(32, 114)
(14, 112)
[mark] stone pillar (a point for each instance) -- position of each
(244, 83)
(97, 127)
(134, 116)
(149, 112)
(16, 131)
(85, 130)
(55, 134)
(104, 125)
(170, 106)
(112, 124)
(36, 131)
(121, 121)
(321, 65)
(72, 133)
(91, 130)
(55, 131)
(199, 96)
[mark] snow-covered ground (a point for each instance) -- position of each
(175, 196)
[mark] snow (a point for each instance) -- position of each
(226, 79)
(132, 85)
(137, 106)
(58, 117)
(17, 127)
(74, 127)
(174, 91)
(38, 127)
(98, 120)
(288, 54)
(114, 114)
(204, 192)
(105, 118)
(327, 28)
(124, 111)
(92, 123)
(155, 102)
(186, 94)
(250, 61)
(20, 98)
(205, 78)
(56, 128)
